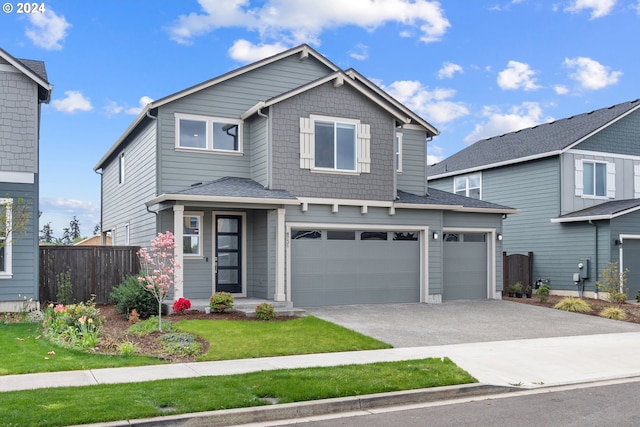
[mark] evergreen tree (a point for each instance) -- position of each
(46, 234)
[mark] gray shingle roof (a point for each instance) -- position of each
(603, 211)
(37, 67)
(235, 187)
(535, 141)
(439, 197)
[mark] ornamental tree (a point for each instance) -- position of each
(158, 267)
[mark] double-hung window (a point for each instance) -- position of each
(468, 185)
(595, 179)
(5, 237)
(192, 234)
(208, 133)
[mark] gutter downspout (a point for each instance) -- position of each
(148, 114)
(596, 258)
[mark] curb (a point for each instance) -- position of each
(229, 417)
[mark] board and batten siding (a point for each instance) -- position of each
(413, 177)
(124, 203)
(228, 99)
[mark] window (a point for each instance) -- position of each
(409, 236)
(334, 145)
(121, 169)
(398, 152)
(373, 235)
(208, 133)
(306, 234)
(341, 235)
(191, 234)
(5, 237)
(468, 185)
(595, 179)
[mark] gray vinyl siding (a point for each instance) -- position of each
(228, 99)
(341, 102)
(260, 150)
(19, 122)
(25, 266)
(620, 137)
(624, 182)
(413, 179)
(125, 203)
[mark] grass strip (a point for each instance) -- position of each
(102, 403)
(24, 350)
(232, 339)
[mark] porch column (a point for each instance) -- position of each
(280, 294)
(178, 227)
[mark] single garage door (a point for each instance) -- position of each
(465, 266)
(334, 267)
(631, 260)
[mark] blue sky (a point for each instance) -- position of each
(473, 69)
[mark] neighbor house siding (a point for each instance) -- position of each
(412, 179)
(341, 102)
(125, 202)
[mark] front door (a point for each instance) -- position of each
(228, 253)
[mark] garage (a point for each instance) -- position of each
(352, 266)
(465, 266)
(631, 261)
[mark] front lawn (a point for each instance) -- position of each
(102, 403)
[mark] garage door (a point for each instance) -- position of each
(465, 266)
(631, 260)
(335, 267)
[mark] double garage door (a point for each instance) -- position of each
(334, 267)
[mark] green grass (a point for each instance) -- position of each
(232, 339)
(79, 405)
(23, 350)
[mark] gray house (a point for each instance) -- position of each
(576, 182)
(292, 180)
(23, 88)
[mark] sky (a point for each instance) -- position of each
(473, 69)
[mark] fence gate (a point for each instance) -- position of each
(517, 268)
(94, 270)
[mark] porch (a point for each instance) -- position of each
(248, 306)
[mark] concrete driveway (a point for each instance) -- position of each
(458, 322)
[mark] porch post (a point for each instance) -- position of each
(280, 258)
(178, 221)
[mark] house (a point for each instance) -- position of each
(295, 181)
(576, 182)
(95, 240)
(23, 88)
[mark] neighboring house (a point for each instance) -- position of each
(576, 182)
(292, 180)
(23, 88)
(96, 240)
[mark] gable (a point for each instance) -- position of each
(622, 137)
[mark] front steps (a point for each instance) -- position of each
(248, 307)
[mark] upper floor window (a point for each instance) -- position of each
(399, 152)
(468, 185)
(5, 237)
(595, 179)
(208, 133)
(192, 232)
(330, 144)
(121, 169)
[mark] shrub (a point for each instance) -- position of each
(127, 348)
(615, 313)
(613, 282)
(265, 311)
(63, 296)
(180, 343)
(147, 326)
(130, 295)
(221, 301)
(543, 292)
(180, 305)
(573, 304)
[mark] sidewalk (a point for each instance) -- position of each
(528, 363)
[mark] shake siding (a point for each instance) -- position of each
(412, 179)
(125, 203)
(620, 138)
(259, 158)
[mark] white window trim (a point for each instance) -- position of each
(467, 188)
(209, 121)
(399, 152)
(200, 216)
(610, 179)
(8, 264)
(121, 168)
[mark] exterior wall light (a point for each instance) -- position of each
(499, 237)
(435, 235)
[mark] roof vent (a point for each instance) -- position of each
(195, 184)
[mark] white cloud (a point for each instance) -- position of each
(448, 70)
(434, 154)
(60, 211)
(561, 89)
(295, 21)
(141, 104)
(599, 8)
(113, 108)
(522, 116)
(72, 102)
(244, 51)
(47, 29)
(361, 52)
(517, 75)
(434, 106)
(591, 74)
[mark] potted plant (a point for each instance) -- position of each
(510, 291)
(528, 291)
(517, 288)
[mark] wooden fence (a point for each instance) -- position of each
(517, 268)
(94, 270)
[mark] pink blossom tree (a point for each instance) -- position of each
(158, 266)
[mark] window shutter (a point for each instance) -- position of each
(611, 180)
(364, 148)
(306, 143)
(579, 178)
(636, 181)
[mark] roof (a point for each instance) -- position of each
(539, 141)
(443, 199)
(35, 70)
(607, 210)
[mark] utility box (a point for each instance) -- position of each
(583, 268)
